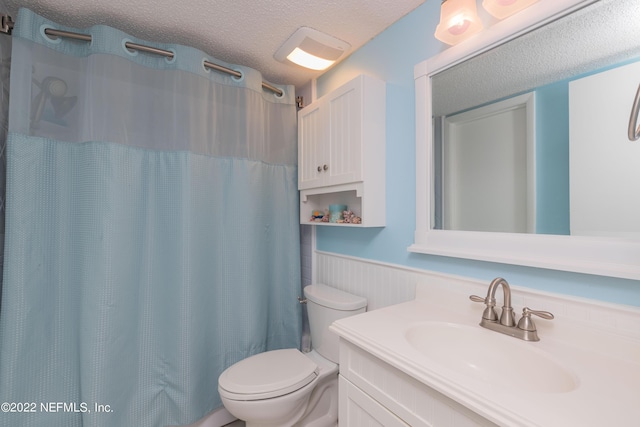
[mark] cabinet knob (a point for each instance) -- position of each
(325, 167)
(319, 168)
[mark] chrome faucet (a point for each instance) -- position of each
(525, 329)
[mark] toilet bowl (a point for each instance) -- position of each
(305, 383)
(286, 387)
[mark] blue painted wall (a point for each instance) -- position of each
(391, 56)
(552, 159)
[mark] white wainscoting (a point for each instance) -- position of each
(381, 284)
(387, 284)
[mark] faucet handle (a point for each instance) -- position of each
(490, 311)
(539, 313)
(525, 322)
(476, 298)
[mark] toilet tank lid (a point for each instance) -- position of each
(334, 298)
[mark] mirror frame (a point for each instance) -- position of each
(613, 257)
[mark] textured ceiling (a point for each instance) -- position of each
(243, 32)
(604, 33)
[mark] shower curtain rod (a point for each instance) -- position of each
(7, 26)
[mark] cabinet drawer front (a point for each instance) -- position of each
(359, 410)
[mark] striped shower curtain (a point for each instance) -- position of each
(152, 233)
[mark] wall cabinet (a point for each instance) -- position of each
(341, 151)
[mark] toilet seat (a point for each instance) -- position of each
(267, 375)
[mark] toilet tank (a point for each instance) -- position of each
(326, 305)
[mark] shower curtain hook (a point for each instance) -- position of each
(6, 26)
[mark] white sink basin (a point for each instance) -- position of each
(492, 357)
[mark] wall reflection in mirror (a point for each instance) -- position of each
(533, 136)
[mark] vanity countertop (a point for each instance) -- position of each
(605, 366)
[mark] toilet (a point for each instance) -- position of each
(284, 388)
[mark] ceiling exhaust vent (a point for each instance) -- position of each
(312, 49)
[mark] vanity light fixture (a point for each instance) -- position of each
(503, 8)
(312, 49)
(459, 20)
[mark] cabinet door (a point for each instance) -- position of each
(311, 146)
(345, 111)
(357, 409)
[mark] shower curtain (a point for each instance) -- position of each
(152, 232)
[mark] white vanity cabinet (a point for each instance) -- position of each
(373, 393)
(341, 151)
(403, 364)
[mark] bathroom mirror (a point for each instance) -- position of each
(455, 81)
